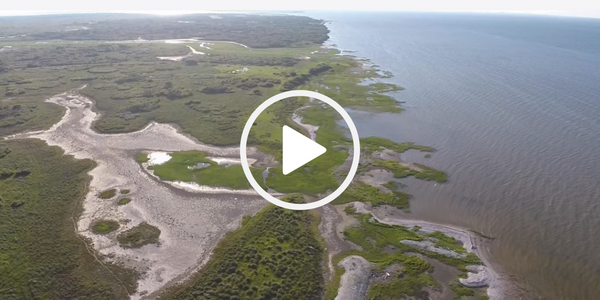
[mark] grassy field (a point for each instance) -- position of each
(276, 255)
(105, 226)
(41, 257)
(181, 168)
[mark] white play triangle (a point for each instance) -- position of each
(298, 150)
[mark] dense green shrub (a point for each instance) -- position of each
(138, 236)
(41, 257)
(275, 256)
(107, 194)
(124, 201)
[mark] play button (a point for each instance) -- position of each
(298, 150)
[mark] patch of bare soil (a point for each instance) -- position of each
(355, 280)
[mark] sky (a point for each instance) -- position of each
(576, 8)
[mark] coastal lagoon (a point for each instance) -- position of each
(512, 103)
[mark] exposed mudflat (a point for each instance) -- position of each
(376, 177)
(355, 280)
(191, 221)
(333, 223)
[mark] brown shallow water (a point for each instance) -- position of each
(513, 106)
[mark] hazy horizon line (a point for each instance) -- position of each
(16, 13)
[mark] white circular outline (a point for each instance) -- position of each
(244, 141)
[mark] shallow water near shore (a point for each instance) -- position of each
(513, 109)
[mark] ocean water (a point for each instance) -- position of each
(512, 103)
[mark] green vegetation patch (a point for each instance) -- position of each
(138, 236)
(41, 256)
(266, 131)
(101, 70)
(124, 201)
(275, 255)
(375, 143)
(428, 173)
(25, 116)
(193, 166)
(344, 82)
(461, 291)
(125, 192)
(142, 158)
(419, 171)
(373, 236)
(4, 151)
(411, 285)
(363, 192)
(350, 210)
(444, 241)
(105, 226)
(108, 194)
